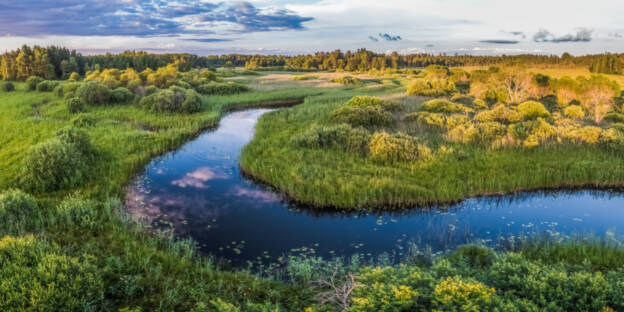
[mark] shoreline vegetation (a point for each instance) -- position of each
(77, 129)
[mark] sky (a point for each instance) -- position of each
(204, 27)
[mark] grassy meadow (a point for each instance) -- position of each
(75, 248)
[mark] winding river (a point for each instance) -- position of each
(199, 192)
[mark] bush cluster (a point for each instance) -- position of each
(19, 212)
(32, 82)
(347, 80)
(7, 86)
(93, 93)
(435, 87)
(76, 105)
(365, 111)
(60, 162)
(385, 147)
(121, 95)
(446, 107)
(173, 100)
(222, 88)
(47, 86)
(341, 136)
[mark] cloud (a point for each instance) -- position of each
(582, 35)
(373, 38)
(198, 178)
(206, 40)
(143, 18)
(388, 37)
(496, 41)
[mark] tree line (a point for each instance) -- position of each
(57, 62)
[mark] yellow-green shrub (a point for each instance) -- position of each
(574, 112)
(457, 294)
(347, 80)
(530, 110)
(336, 136)
(371, 101)
(436, 87)
(443, 106)
(387, 147)
(389, 289)
(500, 113)
(365, 116)
(427, 119)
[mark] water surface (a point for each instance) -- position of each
(199, 192)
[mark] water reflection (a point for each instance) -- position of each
(199, 192)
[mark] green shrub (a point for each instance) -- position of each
(173, 100)
(222, 88)
(463, 86)
(149, 90)
(387, 147)
(551, 102)
(614, 117)
(500, 113)
(370, 101)
(531, 110)
(66, 90)
(480, 104)
(427, 119)
(79, 139)
(18, 212)
(121, 95)
(341, 136)
(364, 116)
(93, 93)
(32, 82)
(443, 106)
(436, 87)
(76, 105)
(38, 276)
(59, 163)
(347, 80)
(47, 86)
(7, 86)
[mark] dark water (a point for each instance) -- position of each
(199, 192)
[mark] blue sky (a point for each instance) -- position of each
(292, 27)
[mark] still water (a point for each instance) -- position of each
(199, 192)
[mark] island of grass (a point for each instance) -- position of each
(453, 134)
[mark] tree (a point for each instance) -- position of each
(517, 83)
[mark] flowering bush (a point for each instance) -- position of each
(396, 147)
(457, 294)
(530, 110)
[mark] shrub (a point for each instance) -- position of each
(427, 119)
(574, 112)
(443, 106)
(172, 100)
(339, 136)
(59, 163)
(457, 294)
(7, 86)
(531, 110)
(533, 132)
(390, 289)
(480, 104)
(74, 76)
(32, 82)
(500, 113)
(305, 77)
(75, 105)
(18, 211)
(347, 80)
(76, 212)
(490, 131)
(365, 116)
(436, 87)
(149, 90)
(551, 102)
(396, 147)
(367, 101)
(493, 96)
(222, 88)
(47, 86)
(121, 95)
(38, 276)
(79, 139)
(93, 93)
(66, 90)
(614, 117)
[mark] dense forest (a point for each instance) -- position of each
(57, 62)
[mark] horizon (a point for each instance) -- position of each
(477, 27)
